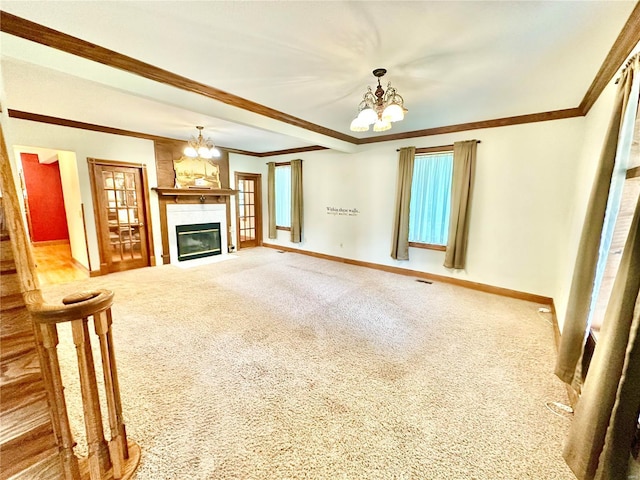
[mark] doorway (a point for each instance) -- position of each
(44, 202)
(54, 215)
(121, 206)
(249, 209)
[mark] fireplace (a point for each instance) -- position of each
(198, 240)
(184, 214)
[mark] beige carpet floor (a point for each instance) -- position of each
(282, 366)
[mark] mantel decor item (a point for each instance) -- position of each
(201, 147)
(379, 108)
(196, 173)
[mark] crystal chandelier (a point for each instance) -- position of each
(201, 147)
(379, 109)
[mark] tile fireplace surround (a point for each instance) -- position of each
(189, 206)
(185, 214)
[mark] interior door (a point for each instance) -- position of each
(249, 209)
(121, 215)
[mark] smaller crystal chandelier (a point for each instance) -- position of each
(201, 147)
(379, 109)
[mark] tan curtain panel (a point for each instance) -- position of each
(271, 198)
(464, 165)
(605, 421)
(579, 303)
(400, 236)
(296, 201)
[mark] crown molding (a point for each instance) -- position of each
(36, 117)
(500, 122)
(311, 148)
(622, 47)
(63, 122)
(462, 127)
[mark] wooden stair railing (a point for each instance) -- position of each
(35, 436)
(118, 458)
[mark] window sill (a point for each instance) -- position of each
(428, 246)
(288, 229)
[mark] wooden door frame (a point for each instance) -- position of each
(102, 248)
(258, 206)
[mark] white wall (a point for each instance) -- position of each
(532, 183)
(73, 206)
(523, 189)
(86, 144)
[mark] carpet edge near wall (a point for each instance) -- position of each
(482, 287)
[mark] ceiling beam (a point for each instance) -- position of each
(34, 32)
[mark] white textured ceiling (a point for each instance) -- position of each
(453, 62)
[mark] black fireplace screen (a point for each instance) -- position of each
(198, 240)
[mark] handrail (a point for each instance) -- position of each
(79, 305)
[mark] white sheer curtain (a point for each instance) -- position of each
(283, 196)
(430, 205)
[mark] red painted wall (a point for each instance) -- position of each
(46, 204)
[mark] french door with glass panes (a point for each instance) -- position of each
(120, 211)
(248, 209)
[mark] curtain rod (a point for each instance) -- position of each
(441, 147)
(279, 164)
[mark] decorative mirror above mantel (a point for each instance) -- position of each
(210, 173)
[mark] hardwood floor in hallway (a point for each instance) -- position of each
(55, 264)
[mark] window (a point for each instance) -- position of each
(430, 204)
(623, 198)
(283, 196)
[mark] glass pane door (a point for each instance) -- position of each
(248, 210)
(122, 213)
